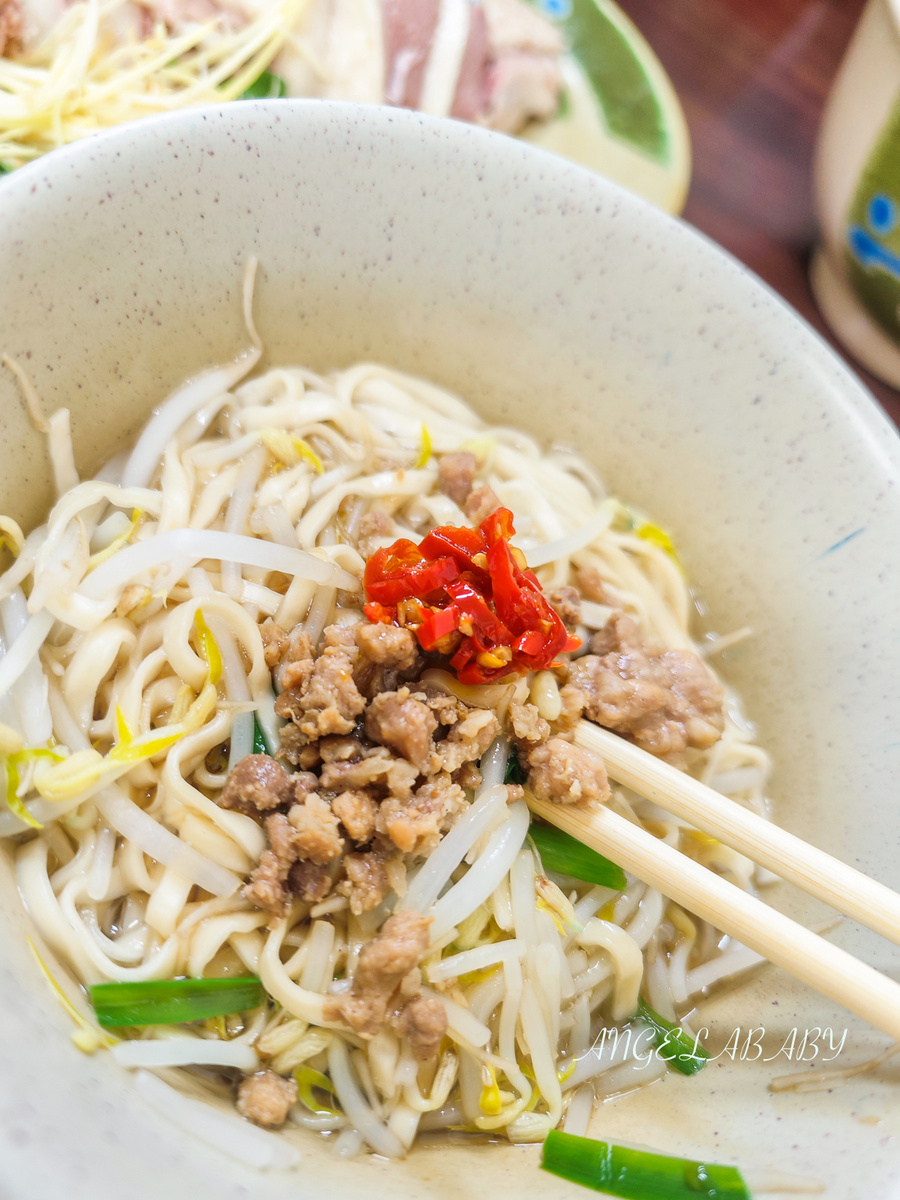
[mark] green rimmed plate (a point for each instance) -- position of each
(620, 115)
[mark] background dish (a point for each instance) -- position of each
(616, 110)
(697, 392)
(621, 116)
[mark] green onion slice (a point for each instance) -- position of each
(564, 854)
(680, 1050)
(638, 1174)
(260, 745)
(515, 772)
(267, 86)
(308, 1078)
(174, 1001)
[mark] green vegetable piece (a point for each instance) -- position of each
(631, 106)
(680, 1050)
(564, 854)
(515, 772)
(260, 745)
(267, 86)
(638, 1174)
(174, 1001)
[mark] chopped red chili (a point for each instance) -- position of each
(468, 582)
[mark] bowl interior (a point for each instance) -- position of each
(556, 302)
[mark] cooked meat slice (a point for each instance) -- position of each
(423, 1022)
(295, 747)
(300, 646)
(404, 724)
(309, 881)
(524, 79)
(590, 584)
(282, 840)
(620, 691)
(366, 883)
(415, 824)
(275, 642)
(332, 701)
(514, 25)
(471, 99)
(303, 782)
(383, 963)
(389, 657)
(375, 529)
(341, 749)
(409, 26)
(481, 502)
(456, 473)
(296, 663)
(316, 830)
(357, 812)
(325, 699)
(700, 697)
(469, 777)
(572, 705)
(566, 774)
(527, 725)
(468, 739)
(266, 1098)
(522, 88)
(257, 784)
(567, 602)
(495, 35)
(293, 680)
(266, 886)
(10, 26)
(395, 776)
(386, 645)
(445, 707)
(665, 701)
(620, 634)
(400, 943)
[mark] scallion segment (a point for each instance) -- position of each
(515, 772)
(564, 854)
(260, 745)
(638, 1174)
(678, 1048)
(267, 86)
(174, 1001)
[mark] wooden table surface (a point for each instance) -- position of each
(753, 76)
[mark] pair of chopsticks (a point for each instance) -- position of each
(828, 969)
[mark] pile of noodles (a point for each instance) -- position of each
(242, 500)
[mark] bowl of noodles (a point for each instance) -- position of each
(354, 463)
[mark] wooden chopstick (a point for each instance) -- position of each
(827, 968)
(817, 873)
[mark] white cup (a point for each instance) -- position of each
(855, 273)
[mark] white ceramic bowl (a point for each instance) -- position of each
(559, 302)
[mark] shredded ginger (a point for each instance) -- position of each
(83, 77)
